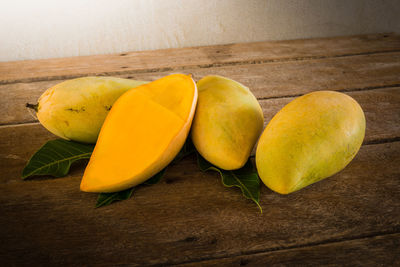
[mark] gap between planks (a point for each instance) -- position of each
(204, 56)
(348, 90)
(200, 66)
(288, 248)
(265, 80)
(365, 143)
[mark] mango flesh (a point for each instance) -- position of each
(311, 138)
(227, 123)
(142, 134)
(75, 109)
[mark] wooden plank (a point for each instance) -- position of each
(383, 122)
(371, 251)
(179, 59)
(269, 80)
(189, 216)
(18, 143)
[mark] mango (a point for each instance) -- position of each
(227, 123)
(311, 138)
(142, 134)
(75, 109)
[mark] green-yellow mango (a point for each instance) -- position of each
(311, 138)
(75, 109)
(227, 122)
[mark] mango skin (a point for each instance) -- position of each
(227, 122)
(76, 109)
(311, 138)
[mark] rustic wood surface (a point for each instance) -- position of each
(189, 218)
(370, 251)
(204, 57)
(266, 80)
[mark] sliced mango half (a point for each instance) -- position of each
(143, 132)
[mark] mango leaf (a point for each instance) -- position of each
(187, 149)
(246, 178)
(105, 199)
(55, 158)
(156, 178)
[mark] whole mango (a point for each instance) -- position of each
(311, 138)
(227, 122)
(75, 109)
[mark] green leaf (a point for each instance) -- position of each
(55, 158)
(156, 178)
(246, 178)
(187, 149)
(105, 199)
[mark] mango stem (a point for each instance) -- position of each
(32, 106)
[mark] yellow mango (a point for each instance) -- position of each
(75, 109)
(142, 134)
(311, 138)
(227, 123)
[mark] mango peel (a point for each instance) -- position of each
(75, 109)
(311, 138)
(227, 123)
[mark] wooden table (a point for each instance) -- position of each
(189, 218)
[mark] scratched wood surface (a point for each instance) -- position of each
(189, 218)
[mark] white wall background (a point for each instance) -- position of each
(62, 28)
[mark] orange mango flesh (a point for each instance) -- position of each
(145, 129)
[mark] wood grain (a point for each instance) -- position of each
(383, 122)
(269, 80)
(190, 216)
(18, 143)
(371, 251)
(179, 59)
